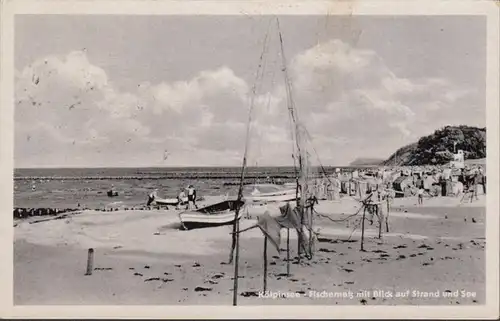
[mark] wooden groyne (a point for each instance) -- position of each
(23, 212)
(182, 176)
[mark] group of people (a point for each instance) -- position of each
(469, 180)
(191, 197)
(189, 200)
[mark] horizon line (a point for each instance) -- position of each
(190, 166)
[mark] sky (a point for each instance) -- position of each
(120, 91)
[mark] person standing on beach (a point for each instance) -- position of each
(152, 196)
(483, 179)
(180, 198)
(476, 180)
(192, 196)
(421, 195)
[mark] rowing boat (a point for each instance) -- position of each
(276, 194)
(218, 214)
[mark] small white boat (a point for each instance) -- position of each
(170, 201)
(277, 194)
(218, 214)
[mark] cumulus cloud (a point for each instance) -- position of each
(358, 99)
(69, 113)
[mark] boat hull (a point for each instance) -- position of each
(280, 196)
(170, 201)
(214, 215)
(201, 221)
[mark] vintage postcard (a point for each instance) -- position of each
(290, 159)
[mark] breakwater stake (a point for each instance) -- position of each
(90, 262)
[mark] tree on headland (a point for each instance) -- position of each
(438, 148)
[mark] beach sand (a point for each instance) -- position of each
(142, 258)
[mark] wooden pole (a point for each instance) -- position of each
(237, 256)
(90, 262)
(380, 216)
(299, 235)
(387, 217)
(265, 263)
(299, 238)
(288, 252)
(363, 228)
(311, 219)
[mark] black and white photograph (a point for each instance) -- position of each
(252, 159)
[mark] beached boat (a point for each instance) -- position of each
(218, 214)
(276, 194)
(170, 201)
(112, 194)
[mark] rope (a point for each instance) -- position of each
(339, 220)
(235, 237)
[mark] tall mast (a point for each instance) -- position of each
(302, 158)
(235, 236)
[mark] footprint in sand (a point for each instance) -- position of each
(211, 282)
(159, 279)
(201, 289)
(217, 276)
(401, 257)
(249, 293)
(348, 270)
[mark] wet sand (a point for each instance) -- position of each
(142, 258)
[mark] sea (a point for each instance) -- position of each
(87, 187)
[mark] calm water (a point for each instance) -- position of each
(68, 187)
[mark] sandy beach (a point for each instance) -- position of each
(434, 254)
